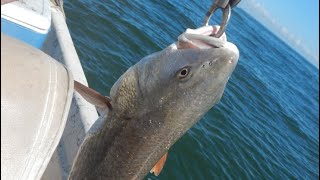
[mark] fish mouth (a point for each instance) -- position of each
(201, 38)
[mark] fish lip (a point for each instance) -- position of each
(201, 38)
(202, 41)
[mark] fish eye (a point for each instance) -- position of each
(184, 72)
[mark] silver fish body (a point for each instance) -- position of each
(154, 103)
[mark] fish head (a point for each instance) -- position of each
(179, 84)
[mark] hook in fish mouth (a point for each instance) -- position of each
(225, 18)
(202, 38)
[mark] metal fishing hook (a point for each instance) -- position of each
(226, 6)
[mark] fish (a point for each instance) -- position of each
(153, 104)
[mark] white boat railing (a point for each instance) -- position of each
(82, 115)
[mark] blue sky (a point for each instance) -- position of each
(296, 21)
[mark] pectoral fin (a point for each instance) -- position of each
(159, 165)
(92, 96)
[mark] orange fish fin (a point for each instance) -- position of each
(159, 165)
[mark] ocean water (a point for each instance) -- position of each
(267, 123)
